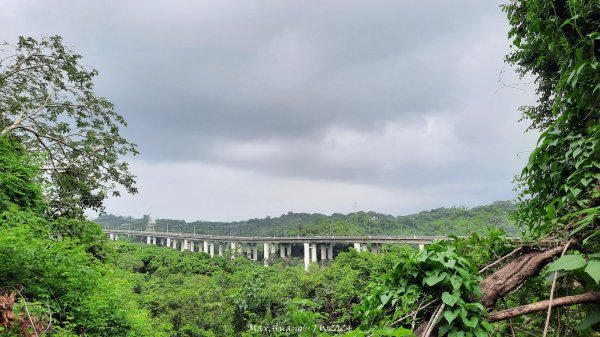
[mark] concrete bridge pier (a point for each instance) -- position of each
(168, 242)
(211, 249)
(254, 252)
(220, 248)
(148, 239)
(289, 250)
(266, 254)
(282, 251)
(306, 255)
(313, 252)
(323, 252)
(249, 251)
(205, 247)
(232, 249)
(174, 242)
(421, 246)
(330, 253)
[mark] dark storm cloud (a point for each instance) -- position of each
(399, 93)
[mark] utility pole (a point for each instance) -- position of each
(401, 228)
(468, 226)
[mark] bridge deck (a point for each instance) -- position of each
(285, 239)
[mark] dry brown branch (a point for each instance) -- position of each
(591, 297)
(433, 322)
(507, 278)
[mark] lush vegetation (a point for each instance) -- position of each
(61, 153)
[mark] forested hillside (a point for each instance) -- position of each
(440, 221)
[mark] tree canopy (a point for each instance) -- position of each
(47, 101)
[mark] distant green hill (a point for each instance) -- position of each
(439, 221)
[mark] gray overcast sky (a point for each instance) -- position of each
(249, 108)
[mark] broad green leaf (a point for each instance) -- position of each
(470, 322)
(398, 332)
(591, 319)
(434, 279)
(385, 298)
(567, 262)
(455, 333)
(444, 329)
(456, 282)
(593, 269)
(450, 315)
(450, 299)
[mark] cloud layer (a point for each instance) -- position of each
(253, 108)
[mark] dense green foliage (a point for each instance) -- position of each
(440, 221)
(191, 294)
(55, 262)
(47, 100)
(559, 44)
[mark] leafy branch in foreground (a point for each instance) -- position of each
(47, 102)
(558, 43)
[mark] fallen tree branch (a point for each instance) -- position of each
(434, 320)
(591, 297)
(507, 278)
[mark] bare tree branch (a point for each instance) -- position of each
(591, 297)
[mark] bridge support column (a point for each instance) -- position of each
(254, 252)
(149, 240)
(211, 248)
(306, 255)
(282, 251)
(205, 247)
(174, 241)
(374, 249)
(330, 253)
(116, 237)
(232, 249)
(192, 246)
(357, 246)
(273, 249)
(323, 252)
(184, 245)
(154, 240)
(266, 254)
(168, 242)
(289, 250)
(249, 251)
(421, 246)
(313, 252)
(220, 248)
(363, 247)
